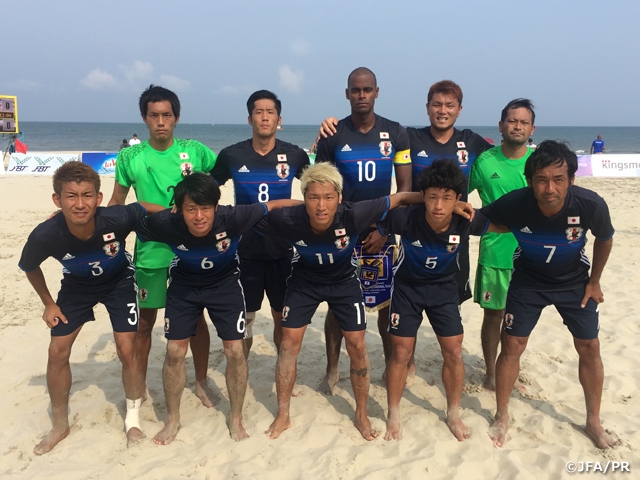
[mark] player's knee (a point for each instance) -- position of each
(513, 346)
(126, 350)
(290, 345)
(233, 350)
(176, 351)
(401, 353)
(588, 349)
(356, 345)
(452, 352)
(59, 352)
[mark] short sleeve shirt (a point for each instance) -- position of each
(260, 178)
(551, 251)
(202, 261)
(97, 263)
(151, 173)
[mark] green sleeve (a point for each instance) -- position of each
(473, 177)
(122, 176)
(209, 160)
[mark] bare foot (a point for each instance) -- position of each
(297, 391)
(50, 440)
(459, 429)
(365, 428)
(498, 431)
(490, 384)
(278, 426)
(521, 387)
(393, 428)
(328, 382)
(237, 431)
(601, 437)
(167, 434)
(134, 435)
(205, 394)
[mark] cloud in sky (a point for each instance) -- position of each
(290, 79)
(138, 71)
(174, 83)
(299, 46)
(98, 79)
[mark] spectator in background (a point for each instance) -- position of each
(134, 141)
(124, 144)
(598, 145)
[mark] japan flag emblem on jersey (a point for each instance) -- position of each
(221, 235)
(460, 144)
(107, 237)
(340, 231)
(282, 157)
(454, 239)
(573, 220)
(384, 135)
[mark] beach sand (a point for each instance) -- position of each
(547, 421)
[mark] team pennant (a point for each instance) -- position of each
(573, 220)
(282, 157)
(384, 135)
(107, 237)
(340, 232)
(221, 235)
(454, 239)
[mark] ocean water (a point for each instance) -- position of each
(106, 137)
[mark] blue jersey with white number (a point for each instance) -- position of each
(366, 160)
(202, 261)
(325, 258)
(100, 262)
(426, 256)
(551, 250)
(260, 178)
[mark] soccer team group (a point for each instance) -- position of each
(193, 254)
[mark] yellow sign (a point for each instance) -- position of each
(8, 114)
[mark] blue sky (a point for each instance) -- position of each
(73, 60)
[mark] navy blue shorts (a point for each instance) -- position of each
(258, 276)
(524, 307)
(121, 302)
(224, 302)
(439, 301)
(344, 299)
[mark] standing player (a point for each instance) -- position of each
(89, 242)
(550, 220)
(204, 274)
(424, 281)
(497, 171)
(323, 231)
(366, 149)
(262, 169)
(151, 167)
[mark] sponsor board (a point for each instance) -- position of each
(102, 162)
(622, 165)
(38, 163)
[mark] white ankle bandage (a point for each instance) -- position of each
(132, 418)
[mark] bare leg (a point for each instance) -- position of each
(131, 376)
(333, 336)
(490, 337)
(59, 385)
(286, 370)
(277, 340)
(247, 342)
(173, 379)
(360, 378)
(143, 342)
(200, 350)
(453, 380)
(403, 347)
(507, 370)
(236, 378)
(591, 374)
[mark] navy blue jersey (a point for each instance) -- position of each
(202, 261)
(426, 256)
(463, 147)
(326, 258)
(100, 262)
(260, 178)
(366, 160)
(551, 251)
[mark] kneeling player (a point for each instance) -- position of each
(425, 280)
(324, 233)
(204, 237)
(89, 241)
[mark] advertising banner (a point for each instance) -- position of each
(584, 166)
(606, 165)
(102, 162)
(38, 163)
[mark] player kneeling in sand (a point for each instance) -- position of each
(204, 274)
(550, 219)
(324, 232)
(424, 280)
(89, 241)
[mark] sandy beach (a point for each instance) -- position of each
(547, 421)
